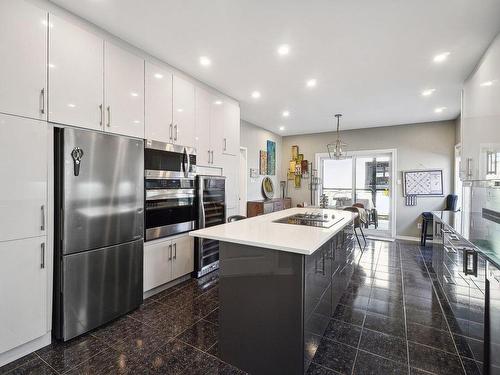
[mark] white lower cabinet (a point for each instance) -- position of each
(23, 291)
(167, 259)
(23, 166)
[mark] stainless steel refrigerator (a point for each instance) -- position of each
(99, 221)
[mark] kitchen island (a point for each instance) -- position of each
(280, 281)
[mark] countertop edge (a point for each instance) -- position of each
(295, 250)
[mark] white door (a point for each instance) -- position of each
(231, 128)
(124, 91)
(158, 103)
(183, 112)
(202, 139)
(230, 170)
(183, 256)
(23, 291)
(23, 62)
(75, 75)
(23, 166)
(157, 264)
(217, 121)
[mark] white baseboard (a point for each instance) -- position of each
(161, 288)
(25, 349)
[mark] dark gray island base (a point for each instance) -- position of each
(275, 305)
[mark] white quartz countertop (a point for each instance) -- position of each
(261, 231)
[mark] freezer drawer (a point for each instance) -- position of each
(100, 285)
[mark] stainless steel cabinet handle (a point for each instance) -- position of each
(42, 253)
(225, 144)
(170, 132)
(212, 156)
(42, 226)
(175, 250)
(208, 156)
(469, 167)
(450, 250)
(176, 132)
(169, 252)
(447, 281)
(42, 101)
(109, 115)
(102, 114)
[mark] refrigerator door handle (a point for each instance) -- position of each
(42, 226)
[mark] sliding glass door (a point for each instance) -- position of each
(364, 178)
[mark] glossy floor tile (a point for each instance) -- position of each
(391, 319)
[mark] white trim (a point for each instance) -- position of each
(243, 195)
(408, 238)
(25, 349)
(394, 162)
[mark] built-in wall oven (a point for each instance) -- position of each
(211, 211)
(170, 189)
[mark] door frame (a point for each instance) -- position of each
(243, 181)
(394, 177)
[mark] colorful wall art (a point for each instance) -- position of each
(263, 162)
(299, 167)
(271, 158)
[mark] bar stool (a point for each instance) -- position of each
(426, 220)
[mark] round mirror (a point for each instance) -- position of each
(267, 188)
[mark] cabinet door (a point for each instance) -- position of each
(202, 138)
(23, 166)
(158, 104)
(231, 171)
(75, 75)
(480, 118)
(231, 129)
(124, 92)
(183, 112)
(157, 264)
(23, 66)
(183, 256)
(23, 290)
(217, 121)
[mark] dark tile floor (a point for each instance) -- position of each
(390, 321)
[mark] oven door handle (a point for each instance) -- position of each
(187, 162)
(154, 196)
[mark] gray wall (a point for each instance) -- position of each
(419, 146)
(255, 139)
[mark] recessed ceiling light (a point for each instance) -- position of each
(428, 92)
(440, 109)
(71, 105)
(52, 66)
(205, 61)
(441, 57)
(284, 49)
(137, 122)
(311, 82)
(218, 102)
(134, 94)
(180, 109)
(256, 94)
(487, 83)
(45, 23)
(285, 114)
(158, 75)
(282, 128)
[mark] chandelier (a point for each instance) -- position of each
(336, 150)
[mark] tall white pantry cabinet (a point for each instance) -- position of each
(57, 70)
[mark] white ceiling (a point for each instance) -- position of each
(371, 58)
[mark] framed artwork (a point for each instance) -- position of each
(292, 166)
(295, 152)
(291, 175)
(263, 162)
(297, 181)
(299, 158)
(271, 158)
(423, 183)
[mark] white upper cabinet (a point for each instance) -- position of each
(183, 112)
(158, 104)
(203, 133)
(23, 288)
(217, 120)
(23, 166)
(23, 62)
(481, 118)
(124, 92)
(231, 128)
(75, 75)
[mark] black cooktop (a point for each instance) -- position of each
(311, 219)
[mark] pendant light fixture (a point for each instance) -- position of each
(336, 150)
